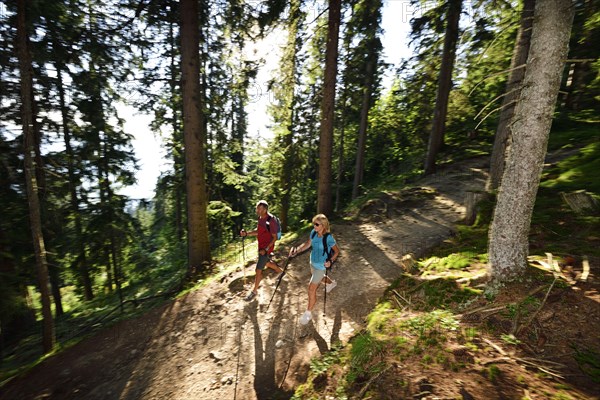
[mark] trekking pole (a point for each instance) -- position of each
(325, 286)
(244, 257)
(325, 295)
(285, 265)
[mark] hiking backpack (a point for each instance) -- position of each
(277, 222)
(326, 250)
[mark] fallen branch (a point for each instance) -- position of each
(484, 309)
(401, 297)
(416, 287)
(586, 269)
(498, 360)
(531, 360)
(536, 312)
(364, 389)
(545, 369)
(495, 346)
(526, 361)
(398, 303)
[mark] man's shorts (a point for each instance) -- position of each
(262, 262)
(317, 275)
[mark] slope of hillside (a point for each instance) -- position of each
(212, 344)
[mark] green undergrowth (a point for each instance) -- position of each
(80, 320)
(416, 323)
(555, 227)
(391, 338)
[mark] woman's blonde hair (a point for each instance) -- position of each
(322, 219)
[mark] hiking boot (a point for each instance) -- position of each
(307, 316)
(250, 296)
(329, 286)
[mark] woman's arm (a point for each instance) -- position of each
(303, 247)
(334, 256)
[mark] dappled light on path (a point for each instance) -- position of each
(211, 344)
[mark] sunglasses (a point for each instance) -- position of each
(316, 224)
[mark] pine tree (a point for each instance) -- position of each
(513, 89)
(508, 236)
(365, 27)
(284, 112)
(194, 131)
(324, 199)
(436, 138)
(26, 74)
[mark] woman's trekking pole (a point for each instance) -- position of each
(285, 265)
(325, 296)
(325, 286)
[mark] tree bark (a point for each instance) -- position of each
(175, 125)
(472, 199)
(436, 137)
(513, 89)
(340, 169)
(324, 192)
(35, 220)
(362, 129)
(194, 132)
(581, 74)
(289, 71)
(84, 273)
(508, 238)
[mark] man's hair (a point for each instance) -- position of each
(262, 203)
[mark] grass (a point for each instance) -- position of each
(588, 361)
(554, 225)
(420, 331)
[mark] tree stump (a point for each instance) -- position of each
(581, 202)
(472, 198)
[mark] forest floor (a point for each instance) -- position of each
(211, 344)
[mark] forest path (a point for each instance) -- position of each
(211, 344)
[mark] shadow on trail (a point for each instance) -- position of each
(163, 335)
(334, 336)
(265, 385)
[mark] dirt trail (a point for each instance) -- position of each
(211, 344)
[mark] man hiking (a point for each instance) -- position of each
(266, 232)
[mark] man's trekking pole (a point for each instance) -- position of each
(244, 257)
(285, 265)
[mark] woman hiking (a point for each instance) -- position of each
(324, 253)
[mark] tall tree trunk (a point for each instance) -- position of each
(194, 132)
(362, 130)
(109, 275)
(84, 273)
(340, 169)
(508, 238)
(35, 220)
(115, 263)
(436, 137)
(513, 89)
(54, 275)
(583, 50)
(324, 195)
(175, 124)
(289, 96)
